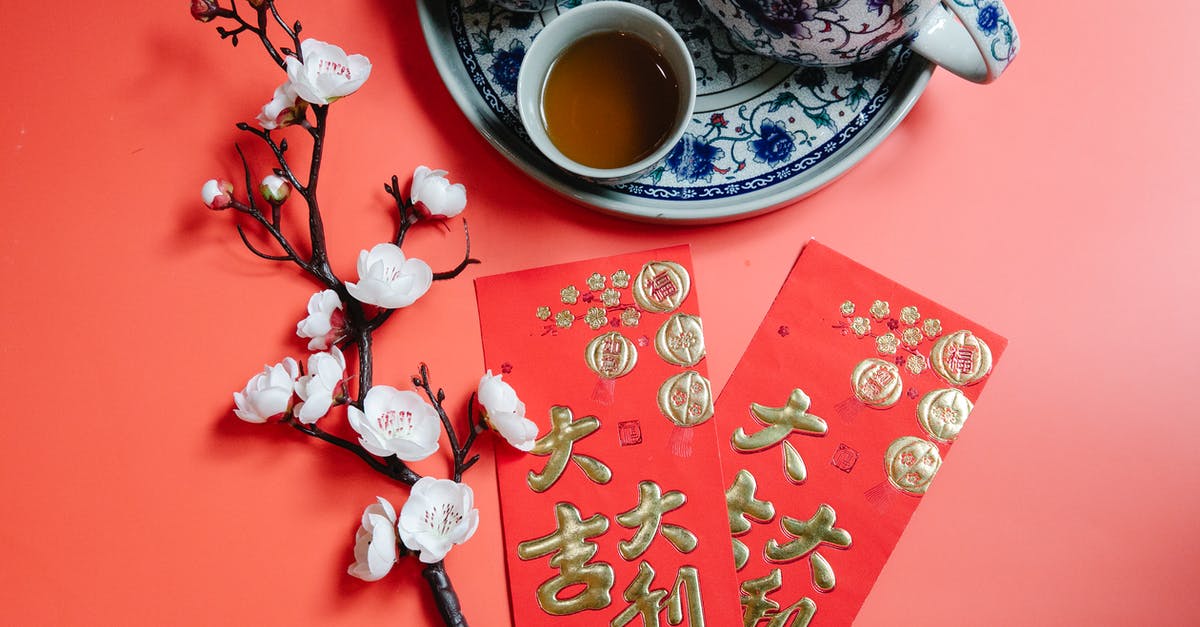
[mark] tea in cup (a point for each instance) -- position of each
(975, 39)
(606, 90)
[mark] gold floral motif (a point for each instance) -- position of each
(808, 534)
(620, 279)
(916, 364)
(887, 344)
(543, 313)
(911, 464)
(686, 399)
(933, 327)
(596, 317)
(942, 413)
(647, 518)
(596, 281)
(781, 422)
(861, 326)
(757, 605)
(848, 308)
(648, 604)
(569, 543)
(630, 317)
(559, 446)
(610, 297)
(680, 340)
(880, 309)
(909, 315)
(911, 337)
(564, 319)
(569, 295)
(742, 505)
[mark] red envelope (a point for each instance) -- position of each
(833, 425)
(617, 515)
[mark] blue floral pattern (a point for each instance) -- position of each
(743, 144)
(691, 160)
(506, 66)
(993, 21)
(774, 144)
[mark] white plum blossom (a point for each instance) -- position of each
(505, 413)
(396, 422)
(438, 514)
(433, 196)
(375, 542)
(316, 389)
(387, 279)
(274, 189)
(324, 325)
(217, 193)
(268, 393)
(282, 110)
(327, 73)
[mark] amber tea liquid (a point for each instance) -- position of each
(609, 100)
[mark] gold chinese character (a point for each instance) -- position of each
(559, 443)
(757, 607)
(742, 507)
(571, 549)
(647, 517)
(781, 422)
(808, 534)
(649, 603)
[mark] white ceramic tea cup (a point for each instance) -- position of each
(589, 19)
(975, 39)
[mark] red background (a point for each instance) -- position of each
(1057, 207)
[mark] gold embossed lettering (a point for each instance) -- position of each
(781, 422)
(757, 605)
(742, 506)
(571, 549)
(808, 534)
(793, 464)
(649, 603)
(647, 518)
(559, 446)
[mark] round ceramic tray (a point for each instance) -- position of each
(762, 135)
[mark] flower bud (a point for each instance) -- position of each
(217, 194)
(274, 189)
(204, 10)
(434, 197)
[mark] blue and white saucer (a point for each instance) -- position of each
(763, 134)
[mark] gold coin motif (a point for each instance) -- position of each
(942, 413)
(611, 355)
(661, 286)
(877, 383)
(911, 463)
(686, 399)
(961, 358)
(680, 340)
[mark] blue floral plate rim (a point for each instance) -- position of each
(822, 167)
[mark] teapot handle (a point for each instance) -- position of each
(977, 46)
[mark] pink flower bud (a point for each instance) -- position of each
(274, 189)
(204, 10)
(217, 194)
